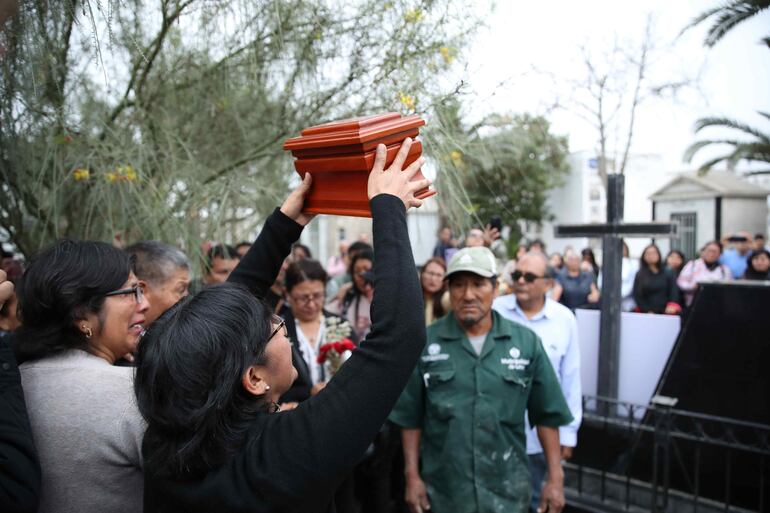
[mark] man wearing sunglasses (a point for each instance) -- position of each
(462, 412)
(555, 324)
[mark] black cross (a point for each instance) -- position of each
(612, 259)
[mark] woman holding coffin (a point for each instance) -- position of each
(211, 370)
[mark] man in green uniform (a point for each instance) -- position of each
(462, 412)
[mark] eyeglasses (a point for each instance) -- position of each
(136, 290)
(528, 277)
(305, 299)
(281, 325)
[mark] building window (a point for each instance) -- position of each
(686, 242)
(595, 194)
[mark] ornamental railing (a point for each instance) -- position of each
(656, 458)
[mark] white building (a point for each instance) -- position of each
(709, 207)
(582, 199)
(324, 234)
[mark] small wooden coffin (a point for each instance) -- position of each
(341, 154)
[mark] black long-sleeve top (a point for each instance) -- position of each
(19, 467)
(653, 291)
(294, 461)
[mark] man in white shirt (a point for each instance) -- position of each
(556, 326)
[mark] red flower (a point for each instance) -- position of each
(322, 353)
(339, 347)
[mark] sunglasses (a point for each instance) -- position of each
(528, 277)
(281, 325)
(136, 290)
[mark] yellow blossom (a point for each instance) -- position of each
(81, 174)
(446, 53)
(413, 16)
(122, 174)
(457, 158)
(406, 100)
(129, 174)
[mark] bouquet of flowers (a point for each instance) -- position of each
(338, 346)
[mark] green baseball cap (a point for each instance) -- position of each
(477, 260)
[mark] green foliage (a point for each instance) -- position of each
(165, 119)
(727, 16)
(756, 148)
(504, 167)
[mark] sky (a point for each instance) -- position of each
(528, 52)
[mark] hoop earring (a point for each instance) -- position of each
(87, 331)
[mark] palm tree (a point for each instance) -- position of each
(756, 149)
(727, 16)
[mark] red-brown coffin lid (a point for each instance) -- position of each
(361, 162)
(358, 135)
(355, 149)
(350, 124)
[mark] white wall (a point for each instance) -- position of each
(748, 214)
(645, 174)
(423, 231)
(582, 199)
(322, 235)
(569, 203)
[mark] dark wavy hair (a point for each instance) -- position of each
(644, 265)
(364, 254)
(61, 285)
(188, 379)
(435, 299)
(751, 272)
(304, 270)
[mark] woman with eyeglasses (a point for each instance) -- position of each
(306, 322)
(211, 369)
(82, 309)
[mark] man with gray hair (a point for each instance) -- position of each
(556, 326)
(163, 272)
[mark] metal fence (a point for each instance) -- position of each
(656, 458)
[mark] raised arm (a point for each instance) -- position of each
(323, 439)
(260, 266)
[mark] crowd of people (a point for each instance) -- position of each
(650, 284)
(142, 387)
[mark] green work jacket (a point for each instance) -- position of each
(471, 409)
